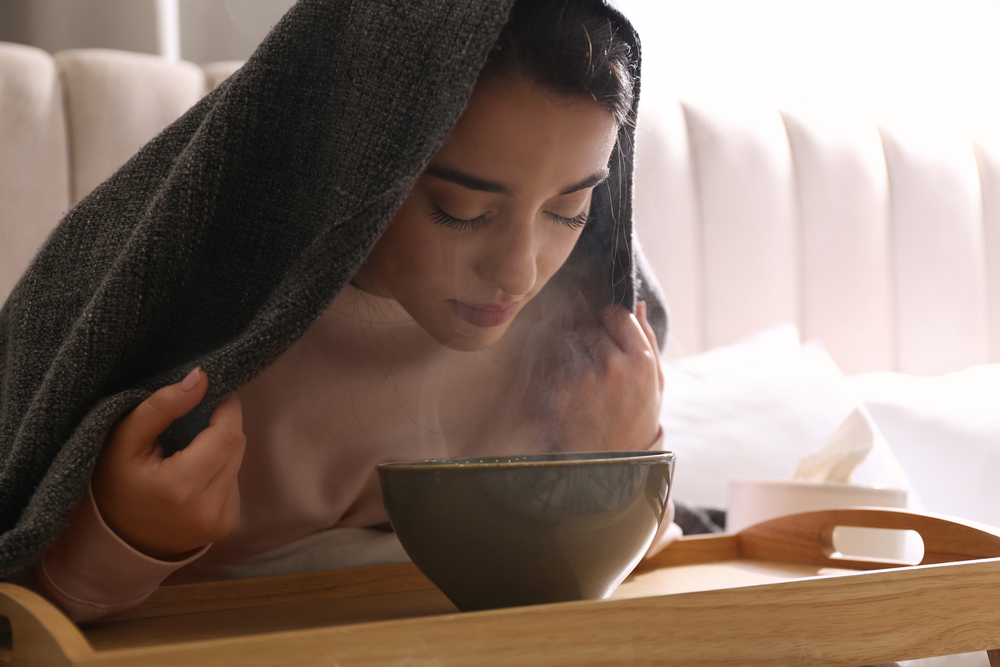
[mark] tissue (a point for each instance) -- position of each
(843, 451)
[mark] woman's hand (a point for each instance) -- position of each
(167, 507)
(668, 533)
(609, 397)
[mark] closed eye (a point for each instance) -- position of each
(442, 218)
(462, 224)
(573, 223)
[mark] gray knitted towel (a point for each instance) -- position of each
(223, 239)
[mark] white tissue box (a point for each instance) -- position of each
(752, 501)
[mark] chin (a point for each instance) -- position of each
(465, 337)
(476, 343)
(455, 333)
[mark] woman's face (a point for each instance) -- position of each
(495, 213)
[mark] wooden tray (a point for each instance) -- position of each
(775, 594)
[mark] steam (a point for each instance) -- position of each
(514, 395)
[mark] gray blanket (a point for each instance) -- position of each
(225, 237)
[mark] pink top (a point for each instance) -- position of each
(364, 385)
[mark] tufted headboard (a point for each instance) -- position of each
(884, 248)
(69, 121)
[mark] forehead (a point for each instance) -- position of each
(524, 136)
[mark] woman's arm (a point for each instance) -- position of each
(162, 506)
(146, 515)
(91, 572)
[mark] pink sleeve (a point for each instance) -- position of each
(91, 572)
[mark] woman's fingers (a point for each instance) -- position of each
(625, 329)
(642, 315)
(216, 449)
(651, 336)
(225, 479)
(637, 352)
(167, 506)
(138, 432)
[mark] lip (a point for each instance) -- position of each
(488, 315)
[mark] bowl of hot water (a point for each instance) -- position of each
(517, 530)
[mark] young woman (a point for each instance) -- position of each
(490, 315)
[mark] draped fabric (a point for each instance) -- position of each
(225, 237)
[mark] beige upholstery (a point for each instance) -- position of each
(842, 189)
(743, 258)
(216, 73)
(667, 213)
(988, 159)
(34, 170)
(68, 122)
(116, 102)
(885, 248)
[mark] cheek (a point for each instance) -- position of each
(556, 251)
(420, 249)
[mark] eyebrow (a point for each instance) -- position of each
(589, 182)
(474, 183)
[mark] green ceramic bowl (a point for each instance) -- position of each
(508, 531)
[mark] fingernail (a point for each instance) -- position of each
(642, 309)
(190, 381)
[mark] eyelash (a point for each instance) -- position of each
(442, 218)
(461, 225)
(573, 223)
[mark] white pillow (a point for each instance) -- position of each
(945, 431)
(755, 409)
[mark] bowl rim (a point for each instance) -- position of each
(552, 459)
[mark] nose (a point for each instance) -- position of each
(509, 262)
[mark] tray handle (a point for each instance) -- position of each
(41, 635)
(808, 537)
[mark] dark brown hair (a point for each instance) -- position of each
(569, 47)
